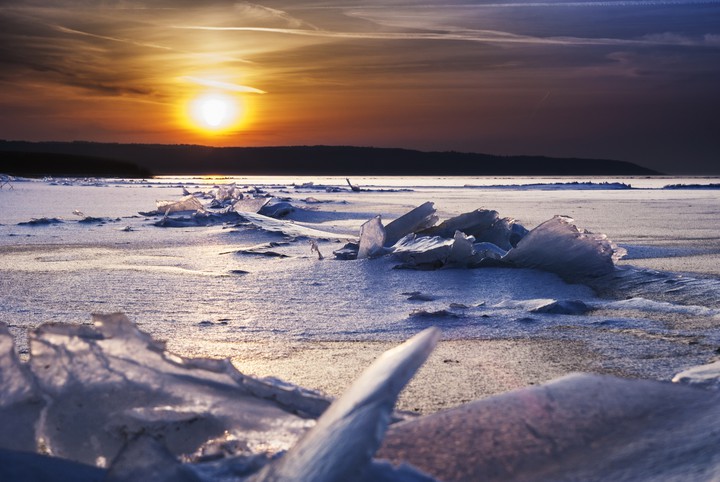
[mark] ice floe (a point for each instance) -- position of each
(187, 203)
(692, 186)
(250, 205)
(557, 186)
(469, 240)
(422, 251)
(125, 384)
(41, 222)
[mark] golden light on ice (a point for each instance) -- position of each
(214, 112)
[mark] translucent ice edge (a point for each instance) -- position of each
(108, 395)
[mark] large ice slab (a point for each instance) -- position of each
(187, 203)
(560, 247)
(483, 224)
(422, 251)
(418, 219)
(123, 383)
(579, 427)
(290, 228)
(198, 218)
(250, 204)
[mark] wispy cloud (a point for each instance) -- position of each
(223, 85)
(482, 36)
(419, 6)
(486, 36)
(671, 38)
(62, 29)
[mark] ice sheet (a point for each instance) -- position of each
(184, 284)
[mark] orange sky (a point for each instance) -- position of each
(633, 80)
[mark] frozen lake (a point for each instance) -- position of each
(190, 287)
(270, 295)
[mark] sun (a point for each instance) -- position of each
(214, 112)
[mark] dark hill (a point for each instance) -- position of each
(40, 164)
(330, 160)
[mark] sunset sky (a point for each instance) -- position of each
(631, 80)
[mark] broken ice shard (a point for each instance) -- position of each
(430, 251)
(187, 203)
(290, 228)
(124, 384)
(346, 436)
(418, 219)
(111, 393)
(461, 250)
(250, 205)
(372, 239)
(560, 247)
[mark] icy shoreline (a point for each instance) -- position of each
(150, 415)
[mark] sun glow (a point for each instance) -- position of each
(215, 112)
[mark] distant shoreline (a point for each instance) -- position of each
(37, 159)
(43, 164)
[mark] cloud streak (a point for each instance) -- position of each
(62, 29)
(481, 36)
(223, 85)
